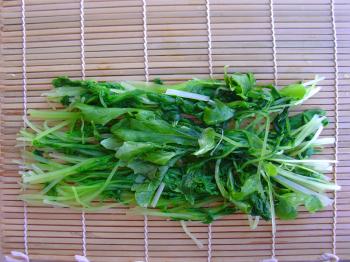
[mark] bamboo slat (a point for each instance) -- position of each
(177, 50)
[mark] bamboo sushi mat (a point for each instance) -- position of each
(281, 40)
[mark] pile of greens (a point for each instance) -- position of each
(197, 150)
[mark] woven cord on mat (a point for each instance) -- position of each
(210, 64)
(332, 257)
(82, 258)
(23, 255)
(145, 54)
(275, 78)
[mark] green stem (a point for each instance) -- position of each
(53, 115)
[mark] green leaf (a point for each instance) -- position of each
(286, 209)
(144, 136)
(219, 181)
(153, 131)
(111, 143)
(143, 168)
(312, 203)
(218, 113)
(206, 141)
(294, 91)
(250, 185)
(101, 115)
(158, 81)
(260, 206)
(239, 83)
(144, 192)
(270, 169)
(287, 205)
(242, 205)
(240, 105)
(66, 81)
(159, 157)
(244, 82)
(129, 150)
(196, 183)
(303, 118)
(53, 115)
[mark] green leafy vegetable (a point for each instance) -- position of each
(206, 141)
(294, 91)
(196, 150)
(218, 113)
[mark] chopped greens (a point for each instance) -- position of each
(197, 150)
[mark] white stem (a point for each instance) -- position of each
(184, 94)
(188, 233)
(158, 194)
(253, 221)
(304, 160)
(310, 142)
(298, 188)
(314, 81)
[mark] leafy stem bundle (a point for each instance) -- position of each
(197, 150)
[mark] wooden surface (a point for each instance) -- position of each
(178, 50)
